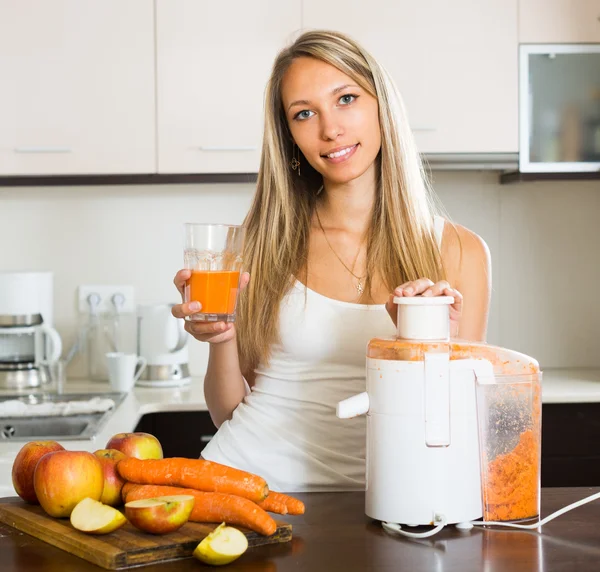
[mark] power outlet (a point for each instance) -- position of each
(105, 302)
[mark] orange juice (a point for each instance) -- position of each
(216, 290)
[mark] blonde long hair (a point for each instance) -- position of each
(401, 244)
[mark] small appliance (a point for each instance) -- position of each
(163, 343)
(453, 428)
(28, 342)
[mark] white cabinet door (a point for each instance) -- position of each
(213, 62)
(77, 91)
(559, 21)
(455, 63)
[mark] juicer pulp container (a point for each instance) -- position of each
(509, 419)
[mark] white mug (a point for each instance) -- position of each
(124, 370)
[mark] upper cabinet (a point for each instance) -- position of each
(77, 91)
(559, 21)
(560, 108)
(455, 63)
(177, 86)
(213, 62)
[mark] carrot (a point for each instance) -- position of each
(194, 474)
(210, 507)
(281, 504)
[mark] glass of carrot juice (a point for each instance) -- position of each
(213, 252)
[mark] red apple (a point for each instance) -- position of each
(24, 467)
(113, 483)
(139, 445)
(160, 515)
(63, 478)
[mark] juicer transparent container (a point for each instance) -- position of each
(509, 412)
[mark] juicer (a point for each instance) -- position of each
(453, 427)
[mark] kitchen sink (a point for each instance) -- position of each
(64, 427)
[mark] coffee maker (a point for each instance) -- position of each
(28, 342)
(163, 343)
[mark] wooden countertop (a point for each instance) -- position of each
(335, 535)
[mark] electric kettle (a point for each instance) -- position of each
(453, 428)
(162, 341)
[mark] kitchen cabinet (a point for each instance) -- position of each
(570, 437)
(560, 108)
(181, 433)
(455, 63)
(559, 21)
(77, 91)
(213, 62)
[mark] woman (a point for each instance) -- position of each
(341, 222)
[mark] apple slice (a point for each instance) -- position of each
(93, 517)
(160, 515)
(222, 546)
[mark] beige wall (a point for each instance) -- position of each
(543, 238)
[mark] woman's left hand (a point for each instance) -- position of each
(425, 287)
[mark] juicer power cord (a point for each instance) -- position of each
(440, 521)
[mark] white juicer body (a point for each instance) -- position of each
(417, 468)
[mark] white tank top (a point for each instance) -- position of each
(286, 430)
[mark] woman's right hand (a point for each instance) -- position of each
(212, 332)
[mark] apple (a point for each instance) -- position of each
(139, 445)
(222, 546)
(63, 478)
(93, 517)
(113, 482)
(24, 467)
(160, 515)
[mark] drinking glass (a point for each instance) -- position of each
(213, 252)
(57, 370)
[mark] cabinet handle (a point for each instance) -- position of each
(205, 438)
(42, 150)
(206, 148)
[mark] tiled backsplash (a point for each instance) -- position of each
(542, 237)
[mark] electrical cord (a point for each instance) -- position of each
(440, 521)
(93, 301)
(544, 520)
(118, 301)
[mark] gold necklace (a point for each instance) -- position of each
(359, 287)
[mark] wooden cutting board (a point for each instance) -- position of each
(122, 548)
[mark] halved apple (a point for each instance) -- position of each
(222, 546)
(160, 515)
(93, 517)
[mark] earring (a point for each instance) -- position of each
(295, 162)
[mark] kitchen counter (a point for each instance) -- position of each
(571, 385)
(559, 386)
(335, 535)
